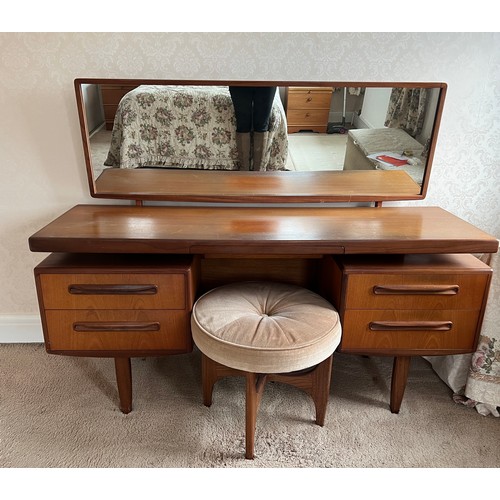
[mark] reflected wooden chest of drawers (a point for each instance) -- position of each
(308, 109)
(414, 305)
(111, 97)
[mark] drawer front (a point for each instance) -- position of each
(307, 117)
(114, 291)
(113, 95)
(110, 112)
(103, 330)
(308, 100)
(394, 291)
(415, 330)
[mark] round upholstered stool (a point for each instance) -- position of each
(266, 332)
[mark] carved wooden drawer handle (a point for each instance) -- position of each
(103, 326)
(309, 99)
(438, 326)
(113, 289)
(416, 289)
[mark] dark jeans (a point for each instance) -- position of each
(252, 106)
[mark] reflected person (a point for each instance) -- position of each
(252, 107)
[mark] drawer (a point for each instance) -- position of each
(436, 330)
(308, 100)
(410, 291)
(103, 330)
(307, 117)
(110, 112)
(113, 95)
(114, 291)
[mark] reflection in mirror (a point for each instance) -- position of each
(312, 127)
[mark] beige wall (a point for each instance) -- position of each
(41, 156)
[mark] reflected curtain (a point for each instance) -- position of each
(475, 378)
(351, 90)
(407, 110)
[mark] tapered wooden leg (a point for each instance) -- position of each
(123, 372)
(400, 370)
(320, 390)
(208, 377)
(315, 381)
(211, 372)
(255, 384)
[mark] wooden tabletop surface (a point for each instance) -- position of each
(260, 230)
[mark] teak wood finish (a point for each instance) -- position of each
(314, 381)
(234, 231)
(296, 187)
(415, 305)
(121, 280)
(117, 306)
(296, 245)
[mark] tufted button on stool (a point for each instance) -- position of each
(266, 332)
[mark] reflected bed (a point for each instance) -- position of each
(190, 127)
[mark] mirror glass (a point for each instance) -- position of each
(323, 141)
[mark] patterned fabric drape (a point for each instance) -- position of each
(407, 110)
(483, 380)
(475, 378)
(351, 90)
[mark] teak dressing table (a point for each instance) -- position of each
(121, 279)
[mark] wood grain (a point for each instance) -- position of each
(260, 230)
(252, 187)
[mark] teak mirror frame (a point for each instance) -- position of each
(185, 185)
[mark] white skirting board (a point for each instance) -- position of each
(20, 328)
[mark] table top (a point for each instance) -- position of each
(260, 231)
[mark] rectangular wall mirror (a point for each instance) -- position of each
(326, 141)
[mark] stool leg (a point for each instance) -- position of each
(254, 388)
(315, 381)
(320, 390)
(211, 372)
(208, 377)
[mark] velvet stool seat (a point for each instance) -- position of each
(266, 331)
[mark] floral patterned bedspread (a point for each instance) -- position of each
(187, 127)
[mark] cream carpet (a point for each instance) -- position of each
(99, 148)
(308, 151)
(58, 411)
